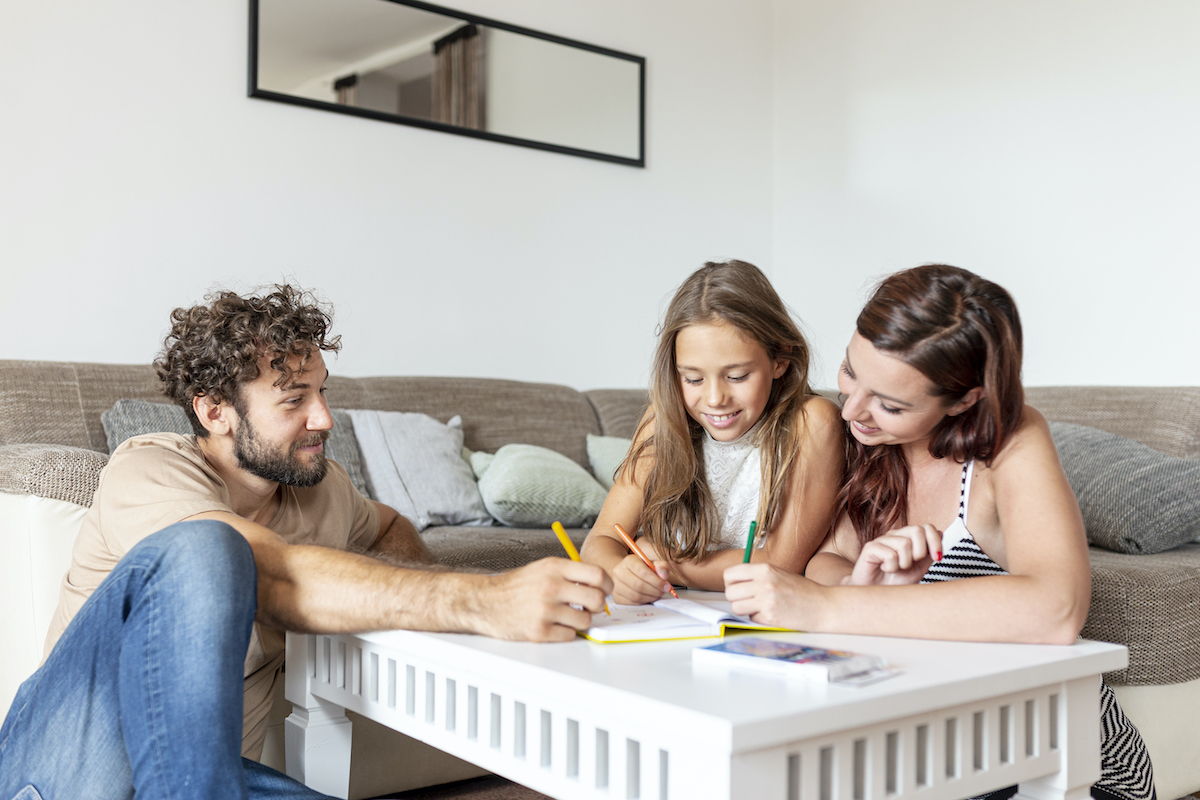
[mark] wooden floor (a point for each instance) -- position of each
(488, 787)
(493, 787)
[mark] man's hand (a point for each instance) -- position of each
(535, 603)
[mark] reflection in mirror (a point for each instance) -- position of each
(410, 62)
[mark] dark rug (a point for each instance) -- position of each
(488, 787)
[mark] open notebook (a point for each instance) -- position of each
(668, 619)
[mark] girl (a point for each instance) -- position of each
(733, 434)
(941, 450)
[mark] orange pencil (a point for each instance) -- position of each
(638, 552)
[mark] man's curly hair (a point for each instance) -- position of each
(214, 349)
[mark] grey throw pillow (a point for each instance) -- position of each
(342, 447)
(414, 464)
(1134, 499)
(129, 418)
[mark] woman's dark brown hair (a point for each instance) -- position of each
(213, 349)
(960, 331)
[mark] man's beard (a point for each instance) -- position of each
(258, 457)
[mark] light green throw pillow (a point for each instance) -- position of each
(605, 454)
(526, 486)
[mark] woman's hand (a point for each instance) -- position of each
(771, 596)
(635, 584)
(898, 557)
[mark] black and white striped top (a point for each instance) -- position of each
(961, 556)
(1125, 769)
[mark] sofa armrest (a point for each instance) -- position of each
(1148, 603)
(53, 471)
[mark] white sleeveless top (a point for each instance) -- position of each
(734, 473)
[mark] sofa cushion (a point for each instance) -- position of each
(414, 464)
(605, 454)
(128, 418)
(528, 486)
(1150, 604)
(57, 472)
(495, 549)
(1134, 499)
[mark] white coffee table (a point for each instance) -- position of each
(585, 720)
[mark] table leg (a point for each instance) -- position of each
(317, 734)
(1078, 723)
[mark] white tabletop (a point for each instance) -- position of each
(756, 709)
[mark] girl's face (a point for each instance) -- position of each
(888, 401)
(725, 376)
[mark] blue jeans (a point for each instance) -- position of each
(143, 693)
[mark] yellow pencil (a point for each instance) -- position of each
(572, 553)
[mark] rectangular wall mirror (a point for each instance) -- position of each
(420, 64)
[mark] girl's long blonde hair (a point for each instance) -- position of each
(676, 496)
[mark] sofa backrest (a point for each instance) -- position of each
(494, 412)
(1166, 418)
(50, 402)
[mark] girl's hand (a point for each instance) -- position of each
(769, 595)
(635, 584)
(898, 557)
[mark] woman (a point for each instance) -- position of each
(949, 475)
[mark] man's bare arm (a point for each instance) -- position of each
(314, 589)
(399, 543)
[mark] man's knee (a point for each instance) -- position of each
(207, 558)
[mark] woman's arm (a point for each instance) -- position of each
(834, 560)
(804, 509)
(1044, 599)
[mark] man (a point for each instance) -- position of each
(199, 551)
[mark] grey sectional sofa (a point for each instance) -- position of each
(52, 447)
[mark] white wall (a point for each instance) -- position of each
(136, 174)
(1050, 145)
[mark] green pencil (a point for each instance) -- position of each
(750, 542)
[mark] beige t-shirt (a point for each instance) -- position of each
(153, 481)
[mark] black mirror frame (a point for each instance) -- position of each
(382, 116)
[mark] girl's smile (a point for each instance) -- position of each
(725, 377)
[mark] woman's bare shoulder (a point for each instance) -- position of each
(1030, 441)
